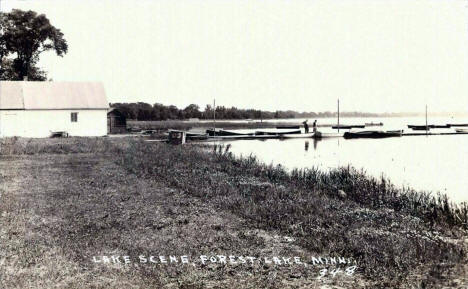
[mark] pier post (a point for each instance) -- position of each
(427, 128)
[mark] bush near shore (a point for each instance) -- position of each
(397, 236)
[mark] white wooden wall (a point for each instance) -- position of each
(40, 123)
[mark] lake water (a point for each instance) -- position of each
(425, 163)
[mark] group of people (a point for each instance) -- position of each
(306, 126)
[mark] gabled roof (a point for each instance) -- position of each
(43, 95)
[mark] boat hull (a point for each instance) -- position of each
(320, 135)
(419, 127)
(222, 132)
(299, 135)
(278, 132)
(347, 126)
(373, 124)
(373, 134)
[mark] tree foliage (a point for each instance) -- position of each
(144, 111)
(24, 35)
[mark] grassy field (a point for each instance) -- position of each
(63, 201)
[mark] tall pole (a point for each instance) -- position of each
(338, 115)
(214, 117)
(427, 128)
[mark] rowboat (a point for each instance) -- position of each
(423, 127)
(298, 135)
(277, 132)
(222, 132)
(373, 124)
(320, 135)
(419, 127)
(243, 137)
(193, 135)
(373, 134)
(347, 126)
(461, 130)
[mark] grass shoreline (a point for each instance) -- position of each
(399, 239)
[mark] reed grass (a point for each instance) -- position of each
(359, 187)
(392, 232)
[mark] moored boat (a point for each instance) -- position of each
(320, 135)
(277, 132)
(222, 132)
(243, 137)
(347, 126)
(298, 135)
(373, 134)
(191, 135)
(373, 124)
(419, 127)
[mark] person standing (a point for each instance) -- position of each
(306, 126)
(314, 126)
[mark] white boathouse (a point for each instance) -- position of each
(39, 108)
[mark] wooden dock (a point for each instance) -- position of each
(264, 137)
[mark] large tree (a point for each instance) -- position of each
(24, 35)
(3, 51)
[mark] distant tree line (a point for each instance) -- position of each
(157, 111)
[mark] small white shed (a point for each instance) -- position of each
(37, 108)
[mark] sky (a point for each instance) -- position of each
(374, 55)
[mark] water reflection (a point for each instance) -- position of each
(315, 142)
